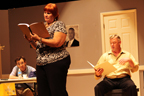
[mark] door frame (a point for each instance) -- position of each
(1, 48)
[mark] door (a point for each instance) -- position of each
(124, 26)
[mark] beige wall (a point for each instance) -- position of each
(86, 13)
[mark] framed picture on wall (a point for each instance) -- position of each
(72, 39)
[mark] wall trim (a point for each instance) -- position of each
(90, 71)
(83, 71)
(80, 71)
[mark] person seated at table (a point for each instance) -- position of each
(22, 89)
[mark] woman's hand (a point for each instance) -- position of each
(32, 40)
(28, 39)
(35, 37)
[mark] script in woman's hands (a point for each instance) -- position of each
(37, 28)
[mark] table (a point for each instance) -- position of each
(27, 80)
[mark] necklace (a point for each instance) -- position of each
(49, 24)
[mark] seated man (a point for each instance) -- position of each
(121, 78)
(22, 89)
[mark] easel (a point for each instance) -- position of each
(1, 48)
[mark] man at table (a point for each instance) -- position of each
(22, 89)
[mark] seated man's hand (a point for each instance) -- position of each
(124, 60)
(99, 71)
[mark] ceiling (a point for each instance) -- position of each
(9, 4)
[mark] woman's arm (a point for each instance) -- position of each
(32, 42)
(57, 41)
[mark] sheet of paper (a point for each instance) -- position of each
(91, 64)
(108, 68)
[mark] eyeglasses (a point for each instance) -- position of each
(20, 63)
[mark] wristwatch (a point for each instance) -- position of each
(40, 40)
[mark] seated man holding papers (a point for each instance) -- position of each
(22, 89)
(124, 62)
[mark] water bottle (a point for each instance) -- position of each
(19, 74)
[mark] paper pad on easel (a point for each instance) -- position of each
(108, 68)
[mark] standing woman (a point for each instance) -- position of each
(53, 60)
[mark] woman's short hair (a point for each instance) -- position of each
(115, 36)
(51, 7)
